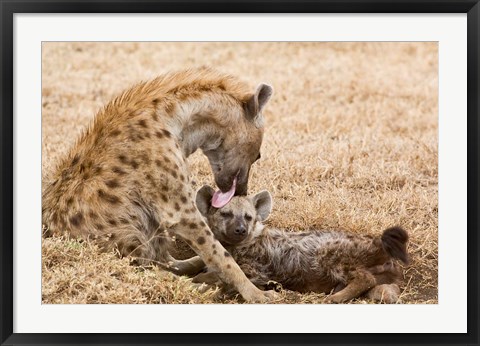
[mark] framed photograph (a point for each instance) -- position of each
(239, 173)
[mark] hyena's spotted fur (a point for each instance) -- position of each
(312, 261)
(125, 183)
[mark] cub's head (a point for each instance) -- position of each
(240, 140)
(237, 221)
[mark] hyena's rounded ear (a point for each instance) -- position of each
(204, 199)
(262, 202)
(256, 102)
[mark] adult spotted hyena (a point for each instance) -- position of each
(125, 181)
(313, 261)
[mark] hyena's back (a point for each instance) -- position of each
(110, 184)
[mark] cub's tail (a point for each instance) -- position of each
(394, 241)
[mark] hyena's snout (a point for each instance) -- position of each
(237, 231)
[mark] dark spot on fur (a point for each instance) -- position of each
(164, 197)
(183, 221)
(69, 201)
(221, 86)
(170, 214)
(97, 169)
(227, 254)
(192, 225)
(112, 222)
(75, 160)
(123, 159)
(158, 134)
(143, 123)
(158, 163)
(155, 101)
(124, 221)
(92, 214)
(214, 246)
(166, 159)
(77, 219)
(115, 133)
(113, 183)
(229, 266)
(145, 159)
(169, 107)
(99, 226)
(207, 232)
(173, 173)
(118, 171)
(183, 199)
(182, 177)
(147, 135)
(134, 164)
(214, 252)
(201, 240)
(164, 188)
(112, 199)
(131, 248)
(177, 206)
(166, 133)
(155, 116)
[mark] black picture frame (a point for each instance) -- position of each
(9, 8)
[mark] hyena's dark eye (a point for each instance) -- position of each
(248, 217)
(226, 214)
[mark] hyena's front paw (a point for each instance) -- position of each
(260, 297)
(335, 299)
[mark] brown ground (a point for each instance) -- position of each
(351, 143)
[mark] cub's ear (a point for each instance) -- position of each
(256, 102)
(262, 202)
(204, 199)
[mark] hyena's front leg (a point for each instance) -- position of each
(199, 236)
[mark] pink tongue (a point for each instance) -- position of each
(220, 198)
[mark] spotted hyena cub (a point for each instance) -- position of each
(125, 183)
(314, 261)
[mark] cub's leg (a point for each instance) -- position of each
(387, 293)
(209, 278)
(361, 282)
(198, 235)
(189, 267)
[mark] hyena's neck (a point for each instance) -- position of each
(198, 124)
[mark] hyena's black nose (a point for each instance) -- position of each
(240, 230)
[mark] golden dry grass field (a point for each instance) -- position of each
(351, 143)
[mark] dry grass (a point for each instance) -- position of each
(351, 143)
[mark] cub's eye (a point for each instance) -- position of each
(226, 214)
(248, 217)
